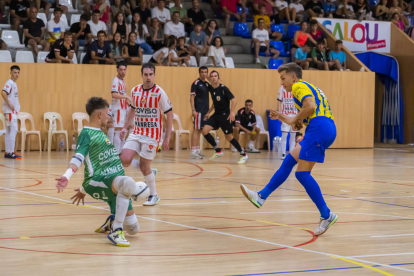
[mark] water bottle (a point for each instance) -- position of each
(54, 123)
(73, 143)
(217, 140)
(62, 144)
(276, 144)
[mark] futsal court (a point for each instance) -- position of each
(203, 224)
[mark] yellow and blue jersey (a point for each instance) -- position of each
(302, 90)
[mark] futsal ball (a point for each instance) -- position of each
(143, 190)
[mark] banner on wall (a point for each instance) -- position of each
(359, 36)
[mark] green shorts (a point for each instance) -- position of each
(101, 189)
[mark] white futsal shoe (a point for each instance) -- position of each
(243, 159)
(252, 196)
(325, 224)
(152, 200)
(217, 154)
(117, 237)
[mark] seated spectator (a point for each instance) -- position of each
(397, 9)
(181, 11)
(182, 50)
(56, 4)
(81, 33)
(284, 12)
(62, 50)
(318, 56)
(104, 10)
(302, 57)
(313, 8)
(34, 32)
(157, 37)
(246, 121)
(301, 37)
(361, 9)
(174, 27)
(161, 13)
(230, 8)
(56, 27)
(87, 6)
(211, 30)
(406, 7)
(195, 16)
(273, 35)
(337, 57)
(198, 41)
(142, 34)
(19, 12)
(45, 5)
(116, 47)
(144, 13)
(99, 52)
(315, 33)
(119, 7)
(132, 52)
(167, 56)
(261, 42)
(296, 7)
(381, 11)
(216, 56)
(329, 8)
(396, 20)
(119, 26)
(344, 10)
(269, 9)
(97, 25)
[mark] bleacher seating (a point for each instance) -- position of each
(41, 56)
(280, 47)
(292, 29)
(74, 18)
(5, 56)
(11, 38)
(24, 56)
(274, 63)
(42, 16)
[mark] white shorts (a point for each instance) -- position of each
(11, 119)
(119, 117)
(145, 150)
(287, 128)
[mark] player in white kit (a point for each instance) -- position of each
(119, 105)
(149, 104)
(11, 109)
(287, 107)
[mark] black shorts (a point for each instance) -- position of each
(249, 128)
(220, 121)
(263, 49)
(199, 121)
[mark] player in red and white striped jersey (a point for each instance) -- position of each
(287, 107)
(149, 103)
(119, 105)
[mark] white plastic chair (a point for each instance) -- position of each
(5, 56)
(63, 18)
(2, 131)
(146, 58)
(229, 62)
(74, 18)
(75, 59)
(69, 4)
(263, 131)
(24, 56)
(203, 61)
(179, 132)
(41, 56)
(11, 38)
(193, 61)
(79, 117)
(30, 47)
(42, 15)
(82, 56)
(22, 117)
(212, 132)
(48, 116)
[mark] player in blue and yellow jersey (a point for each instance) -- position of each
(315, 112)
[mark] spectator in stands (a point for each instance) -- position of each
(296, 7)
(261, 42)
(302, 57)
(174, 27)
(157, 37)
(120, 7)
(345, 10)
(216, 56)
(315, 33)
(19, 12)
(313, 8)
(45, 5)
(230, 8)
(167, 56)
(97, 25)
(161, 13)
(211, 30)
(329, 8)
(396, 20)
(142, 34)
(195, 16)
(87, 6)
(144, 13)
(183, 51)
(181, 11)
(56, 4)
(301, 37)
(119, 26)
(361, 9)
(397, 9)
(132, 52)
(381, 11)
(56, 26)
(284, 12)
(318, 56)
(262, 14)
(116, 47)
(62, 50)
(104, 11)
(337, 57)
(269, 9)
(198, 40)
(99, 52)
(34, 32)
(81, 33)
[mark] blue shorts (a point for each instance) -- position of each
(319, 135)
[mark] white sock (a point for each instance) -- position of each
(193, 150)
(292, 141)
(121, 209)
(135, 164)
(131, 225)
(283, 143)
(111, 133)
(150, 180)
(12, 138)
(7, 139)
(117, 142)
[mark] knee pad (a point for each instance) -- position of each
(131, 225)
(125, 186)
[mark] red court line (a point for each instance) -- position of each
(27, 170)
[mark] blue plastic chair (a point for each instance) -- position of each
(275, 63)
(240, 10)
(278, 28)
(240, 29)
(292, 29)
(280, 47)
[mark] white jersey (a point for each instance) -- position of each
(118, 86)
(12, 94)
(288, 103)
(150, 105)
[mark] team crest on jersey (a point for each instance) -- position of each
(7, 86)
(107, 141)
(151, 147)
(113, 86)
(144, 100)
(218, 98)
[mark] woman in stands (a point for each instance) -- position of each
(104, 9)
(117, 46)
(397, 21)
(211, 30)
(119, 26)
(397, 9)
(345, 10)
(381, 10)
(141, 31)
(300, 38)
(216, 56)
(167, 56)
(132, 51)
(156, 35)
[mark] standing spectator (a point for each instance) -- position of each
(302, 57)
(344, 10)
(337, 57)
(141, 32)
(361, 9)
(246, 121)
(313, 8)
(315, 33)
(301, 37)
(381, 11)
(261, 42)
(99, 52)
(318, 56)
(198, 40)
(216, 56)
(116, 47)
(296, 7)
(183, 12)
(329, 8)
(56, 27)
(230, 8)
(19, 12)
(174, 27)
(132, 51)
(211, 30)
(161, 13)
(284, 12)
(119, 7)
(182, 50)
(119, 26)
(144, 13)
(97, 25)
(104, 10)
(81, 33)
(269, 9)
(34, 32)
(157, 37)
(195, 16)
(62, 50)
(274, 35)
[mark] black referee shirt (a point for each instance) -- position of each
(221, 99)
(200, 89)
(246, 119)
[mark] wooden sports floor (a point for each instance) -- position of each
(203, 225)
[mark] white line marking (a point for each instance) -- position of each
(282, 212)
(381, 255)
(386, 236)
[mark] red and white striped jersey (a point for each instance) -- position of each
(150, 106)
(118, 86)
(288, 103)
(13, 95)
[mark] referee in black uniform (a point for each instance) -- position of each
(223, 116)
(199, 101)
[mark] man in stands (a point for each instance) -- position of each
(230, 8)
(56, 27)
(337, 57)
(262, 14)
(99, 52)
(174, 27)
(195, 16)
(96, 25)
(313, 8)
(161, 13)
(302, 57)
(19, 12)
(34, 32)
(81, 32)
(246, 121)
(62, 50)
(261, 42)
(181, 11)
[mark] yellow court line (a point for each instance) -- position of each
(46, 201)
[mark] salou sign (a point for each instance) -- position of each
(359, 36)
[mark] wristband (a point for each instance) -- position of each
(68, 174)
(82, 190)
